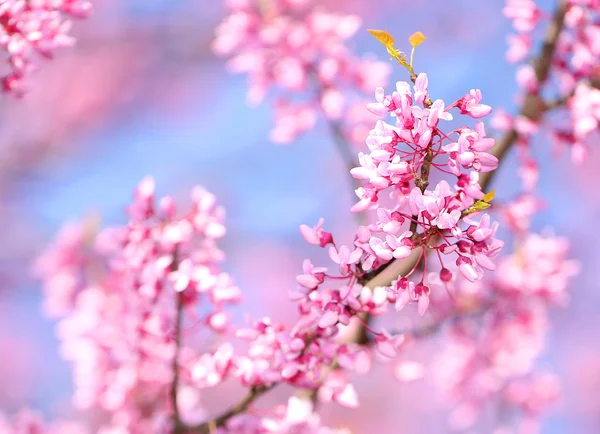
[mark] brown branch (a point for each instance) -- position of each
(341, 144)
(178, 424)
(434, 327)
(254, 393)
(205, 428)
(349, 159)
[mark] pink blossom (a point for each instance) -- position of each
(29, 30)
(527, 79)
(585, 106)
(316, 235)
(118, 329)
(312, 277)
(470, 151)
(471, 105)
(295, 48)
(421, 88)
(518, 47)
(337, 389)
(344, 257)
(524, 13)
(388, 345)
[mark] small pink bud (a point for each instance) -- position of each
(445, 275)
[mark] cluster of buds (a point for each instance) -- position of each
(35, 27)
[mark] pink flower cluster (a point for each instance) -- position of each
(299, 48)
(124, 294)
(491, 358)
(297, 416)
(573, 75)
(30, 422)
(297, 355)
(34, 27)
(400, 161)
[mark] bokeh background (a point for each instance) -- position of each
(142, 94)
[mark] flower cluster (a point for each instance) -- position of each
(491, 358)
(296, 47)
(418, 220)
(297, 416)
(400, 161)
(35, 27)
(571, 75)
(123, 296)
(27, 421)
(296, 355)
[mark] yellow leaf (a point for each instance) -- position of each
(477, 206)
(490, 196)
(384, 37)
(416, 39)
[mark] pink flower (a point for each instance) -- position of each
(518, 47)
(585, 107)
(344, 257)
(524, 13)
(388, 345)
(421, 88)
(312, 277)
(35, 29)
(336, 388)
(401, 246)
(316, 235)
(292, 121)
(383, 105)
(470, 151)
(420, 293)
(402, 290)
(436, 112)
(470, 104)
(527, 79)
(381, 249)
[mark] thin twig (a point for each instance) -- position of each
(173, 392)
(350, 162)
(254, 393)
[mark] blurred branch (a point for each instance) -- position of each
(349, 159)
(173, 392)
(452, 316)
(207, 427)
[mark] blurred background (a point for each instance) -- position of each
(142, 94)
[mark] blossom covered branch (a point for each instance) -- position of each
(144, 307)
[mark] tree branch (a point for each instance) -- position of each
(390, 271)
(178, 424)
(254, 393)
(349, 159)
